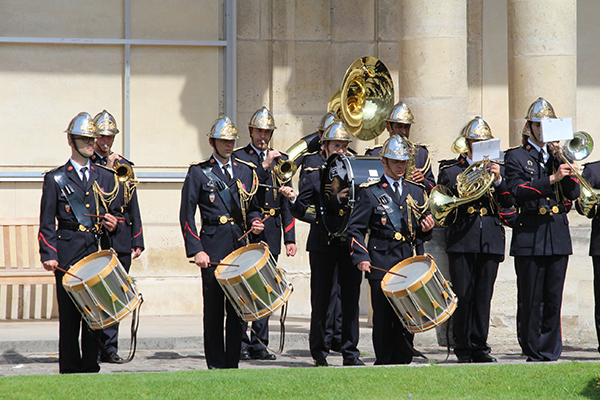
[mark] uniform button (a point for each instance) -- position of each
(87, 206)
(266, 189)
(87, 193)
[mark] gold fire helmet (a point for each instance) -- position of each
(327, 120)
(262, 119)
(224, 129)
(396, 148)
(401, 113)
(82, 125)
(336, 131)
(106, 123)
(540, 109)
(477, 129)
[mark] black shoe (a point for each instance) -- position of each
(112, 358)
(262, 354)
(463, 359)
(353, 361)
(484, 358)
(244, 355)
(321, 362)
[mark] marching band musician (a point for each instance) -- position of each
(399, 121)
(273, 204)
(384, 210)
(543, 189)
(221, 187)
(129, 242)
(475, 248)
(328, 253)
(69, 193)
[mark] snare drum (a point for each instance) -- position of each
(422, 300)
(257, 287)
(342, 172)
(106, 294)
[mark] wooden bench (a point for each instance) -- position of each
(26, 288)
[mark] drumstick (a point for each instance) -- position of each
(214, 263)
(102, 216)
(389, 272)
(420, 214)
(68, 273)
(250, 230)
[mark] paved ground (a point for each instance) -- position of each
(175, 344)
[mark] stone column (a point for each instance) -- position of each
(433, 71)
(542, 58)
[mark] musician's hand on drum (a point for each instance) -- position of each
(271, 156)
(364, 266)
(136, 252)
(257, 227)
(344, 194)
(417, 176)
(288, 192)
(495, 170)
(562, 171)
(290, 249)
(110, 161)
(50, 265)
(427, 223)
(202, 259)
(109, 222)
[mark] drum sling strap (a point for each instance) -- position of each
(225, 194)
(75, 201)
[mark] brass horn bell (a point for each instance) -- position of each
(124, 171)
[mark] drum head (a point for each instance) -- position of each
(343, 172)
(90, 269)
(246, 260)
(413, 272)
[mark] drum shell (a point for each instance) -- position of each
(424, 303)
(258, 291)
(106, 297)
(342, 171)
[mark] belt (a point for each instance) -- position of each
(220, 220)
(543, 210)
(325, 239)
(273, 212)
(71, 226)
(387, 234)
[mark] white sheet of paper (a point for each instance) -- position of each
(486, 148)
(556, 129)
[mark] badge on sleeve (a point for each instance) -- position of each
(67, 207)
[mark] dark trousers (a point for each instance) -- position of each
(391, 341)
(473, 276)
(259, 331)
(322, 268)
(220, 351)
(596, 261)
(333, 332)
(110, 336)
(542, 280)
(70, 358)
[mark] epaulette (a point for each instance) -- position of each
(312, 168)
(51, 170)
(129, 161)
(106, 168)
(369, 183)
(447, 163)
(373, 147)
(416, 184)
(311, 154)
(248, 163)
(200, 162)
(240, 148)
(512, 148)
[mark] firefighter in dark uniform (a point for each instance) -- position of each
(69, 192)
(221, 188)
(384, 210)
(399, 121)
(328, 253)
(475, 246)
(257, 153)
(543, 189)
(129, 243)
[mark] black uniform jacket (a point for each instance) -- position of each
(130, 235)
(420, 161)
(70, 245)
(591, 173)
(270, 199)
(534, 233)
(215, 238)
(383, 251)
(478, 226)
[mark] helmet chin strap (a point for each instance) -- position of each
(73, 137)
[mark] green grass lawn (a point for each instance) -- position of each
(515, 381)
